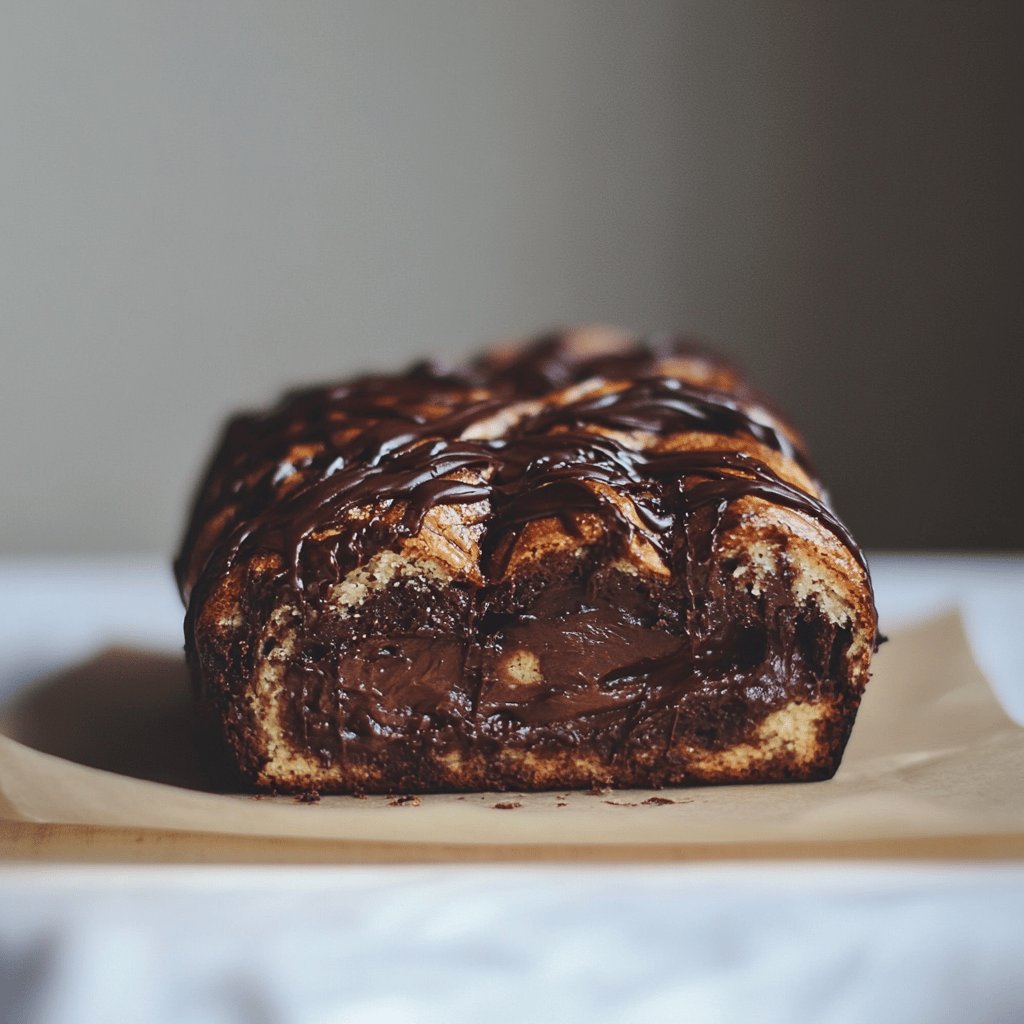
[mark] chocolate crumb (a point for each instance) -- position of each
(561, 803)
(311, 796)
(507, 806)
(596, 790)
(404, 801)
(657, 801)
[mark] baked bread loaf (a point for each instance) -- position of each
(593, 559)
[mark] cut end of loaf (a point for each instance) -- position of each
(545, 700)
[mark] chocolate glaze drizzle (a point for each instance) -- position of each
(399, 440)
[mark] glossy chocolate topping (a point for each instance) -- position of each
(387, 441)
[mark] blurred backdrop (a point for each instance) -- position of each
(204, 202)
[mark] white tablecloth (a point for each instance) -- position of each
(755, 942)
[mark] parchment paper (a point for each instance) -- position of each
(932, 754)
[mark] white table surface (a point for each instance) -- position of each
(827, 943)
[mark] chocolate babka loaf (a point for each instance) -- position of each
(589, 560)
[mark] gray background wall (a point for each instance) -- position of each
(204, 202)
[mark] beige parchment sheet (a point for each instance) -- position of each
(932, 754)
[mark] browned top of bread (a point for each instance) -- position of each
(586, 423)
